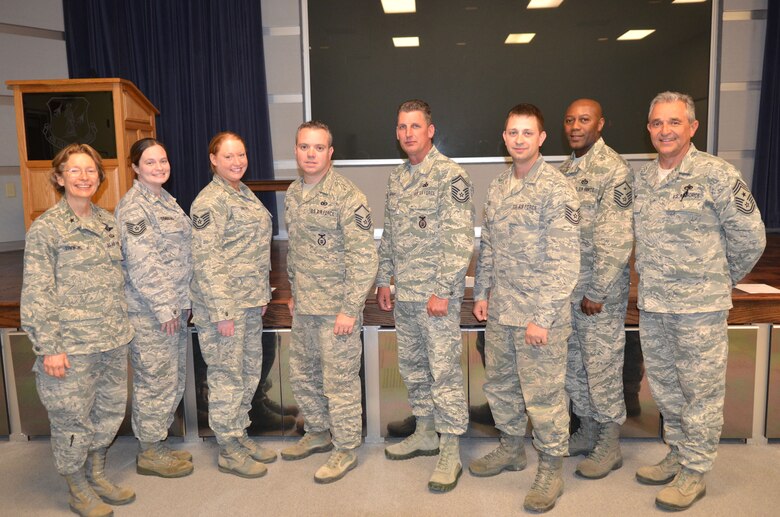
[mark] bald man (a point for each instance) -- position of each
(594, 381)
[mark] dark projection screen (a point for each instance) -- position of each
(467, 74)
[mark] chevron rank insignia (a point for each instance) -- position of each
(461, 190)
(136, 228)
(363, 218)
(200, 221)
(573, 215)
(623, 195)
(743, 198)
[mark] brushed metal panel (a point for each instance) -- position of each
(644, 419)
(740, 382)
(5, 429)
(773, 392)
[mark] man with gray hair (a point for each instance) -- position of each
(698, 232)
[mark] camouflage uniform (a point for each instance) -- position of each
(528, 263)
(331, 264)
(231, 256)
(698, 233)
(594, 375)
(427, 244)
(73, 302)
(156, 236)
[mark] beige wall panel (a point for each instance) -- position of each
(43, 14)
(285, 119)
(9, 149)
(23, 57)
(743, 5)
(280, 13)
(745, 166)
(284, 72)
(738, 121)
(742, 50)
(11, 211)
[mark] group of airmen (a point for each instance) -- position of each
(552, 283)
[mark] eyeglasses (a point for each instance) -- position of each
(76, 171)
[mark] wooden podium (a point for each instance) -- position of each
(108, 114)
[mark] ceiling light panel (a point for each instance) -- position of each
(544, 4)
(409, 41)
(519, 38)
(635, 34)
(399, 6)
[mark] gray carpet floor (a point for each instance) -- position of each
(745, 482)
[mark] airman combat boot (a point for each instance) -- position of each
(83, 500)
(257, 451)
(605, 456)
(509, 455)
(662, 472)
(154, 460)
(547, 486)
(308, 445)
(179, 454)
(687, 488)
(339, 463)
(584, 439)
(448, 468)
(402, 428)
(234, 459)
(105, 489)
(423, 442)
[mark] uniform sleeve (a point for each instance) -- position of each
(144, 265)
(288, 221)
(740, 222)
(209, 216)
(483, 279)
(613, 234)
(456, 232)
(360, 255)
(386, 265)
(561, 265)
(39, 309)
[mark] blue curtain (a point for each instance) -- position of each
(199, 62)
(766, 173)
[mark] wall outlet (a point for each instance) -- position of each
(10, 190)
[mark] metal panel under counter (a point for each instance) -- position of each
(773, 397)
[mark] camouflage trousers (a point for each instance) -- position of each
(325, 378)
(594, 373)
(685, 360)
(86, 407)
(159, 364)
(522, 379)
(233, 372)
(429, 353)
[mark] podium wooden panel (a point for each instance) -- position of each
(134, 118)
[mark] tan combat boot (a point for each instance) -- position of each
(105, 489)
(308, 445)
(257, 451)
(687, 488)
(339, 463)
(234, 459)
(605, 456)
(179, 454)
(154, 460)
(509, 455)
(662, 472)
(448, 468)
(423, 442)
(584, 439)
(83, 500)
(547, 486)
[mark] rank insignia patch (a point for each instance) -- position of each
(136, 228)
(573, 215)
(743, 198)
(363, 218)
(623, 195)
(201, 221)
(461, 190)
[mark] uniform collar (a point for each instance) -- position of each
(587, 158)
(243, 190)
(165, 197)
(427, 162)
(533, 174)
(324, 186)
(682, 170)
(75, 223)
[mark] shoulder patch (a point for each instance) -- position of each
(743, 198)
(363, 218)
(461, 190)
(573, 215)
(136, 228)
(200, 221)
(623, 195)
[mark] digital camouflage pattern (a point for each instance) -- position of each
(594, 374)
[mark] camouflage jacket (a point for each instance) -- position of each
(332, 260)
(231, 252)
(603, 181)
(428, 236)
(73, 298)
(529, 255)
(156, 257)
(697, 234)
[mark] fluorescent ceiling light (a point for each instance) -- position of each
(398, 6)
(688, 1)
(544, 4)
(635, 34)
(412, 41)
(517, 38)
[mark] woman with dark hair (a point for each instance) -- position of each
(156, 236)
(73, 308)
(231, 255)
